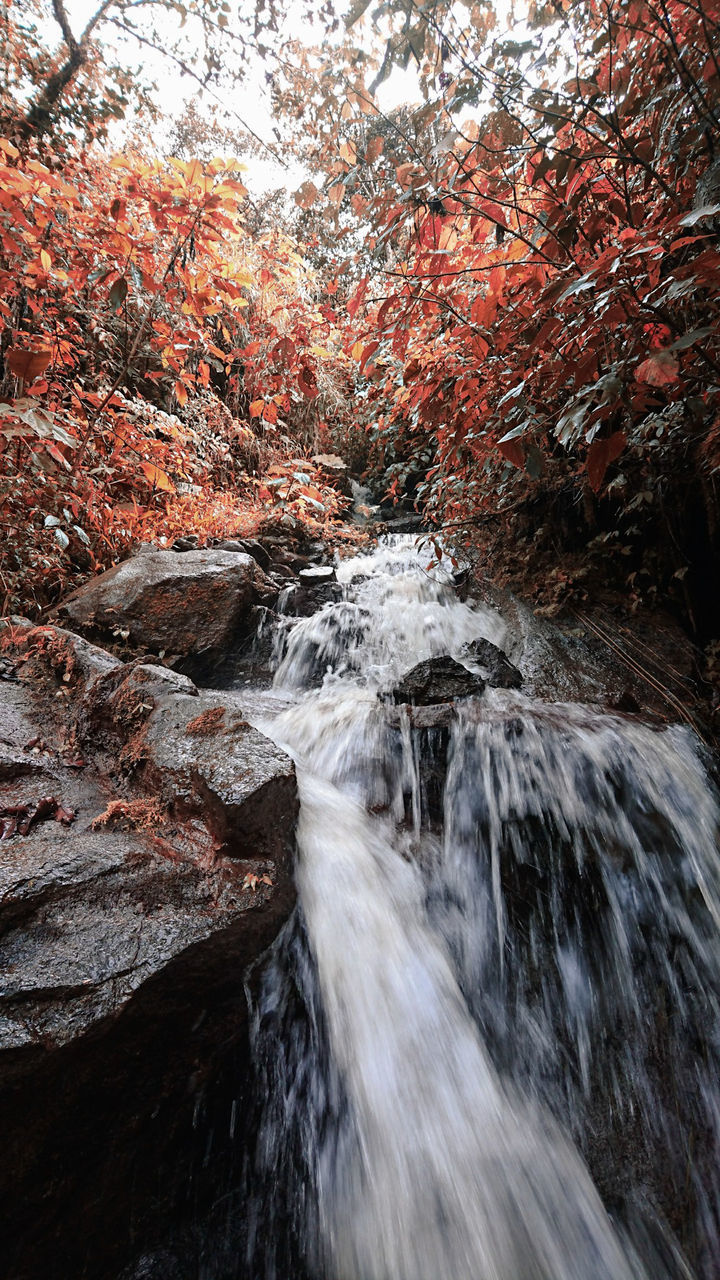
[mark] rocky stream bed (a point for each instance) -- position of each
(147, 860)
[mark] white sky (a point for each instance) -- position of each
(249, 98)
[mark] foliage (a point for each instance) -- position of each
(131, 289)
(543, 316)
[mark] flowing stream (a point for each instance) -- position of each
(488, 1041)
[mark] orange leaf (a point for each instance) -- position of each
(599, 456)
(181, 394)
(26, 364)
(158, 479)
(306, 195)
(193, 173)
(256, 408)
(45, 260)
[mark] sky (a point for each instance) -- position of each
(249, 99)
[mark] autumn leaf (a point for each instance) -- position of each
(158, 478)
(306, 195)
(307, 382)
(27, 364)
(599, 456)
(118, 293)
(660, 369)
(285, 350)
(374, 150)
(513, 451)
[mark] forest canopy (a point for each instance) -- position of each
(497, 301)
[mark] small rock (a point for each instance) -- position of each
(437, 680)
(499, 671)
(231, 544)
(316, 574)
(258, 553)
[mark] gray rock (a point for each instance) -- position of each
(186, 604)
(437, 680)
(124, 938)
(498, 670)
(201, 761)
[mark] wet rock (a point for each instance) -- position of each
(497, 669)
(195, 603)
(304, 599)
(258, 552)
(316, 575)
(437, 680)
(230, 544)
(124, 938)
(202, 759)
(39, 653)
(189, 542)
(283, 572)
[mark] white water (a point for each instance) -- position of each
(466, 959)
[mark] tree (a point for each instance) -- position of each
(546, 318)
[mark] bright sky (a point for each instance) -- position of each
(249, 100)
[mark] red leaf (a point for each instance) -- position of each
(513, 451)
(599, 456)
(285, 350)
(368, 352)
(307, 382)
(659, 370)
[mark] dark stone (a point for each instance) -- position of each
(302, 601)
(258, 552)
(497, 668)
(437, 680)
(283, 571)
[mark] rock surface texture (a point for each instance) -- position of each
(198, 602)
(437, 680)
(155, 865)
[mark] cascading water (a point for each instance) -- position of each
(494, 1019)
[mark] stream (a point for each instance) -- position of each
(487, 1042)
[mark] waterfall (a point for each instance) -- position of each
(488, 1043)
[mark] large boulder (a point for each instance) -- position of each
(146, 862)
(196, 603)
(437, 680)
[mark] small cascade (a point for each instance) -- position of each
(488, 1043)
